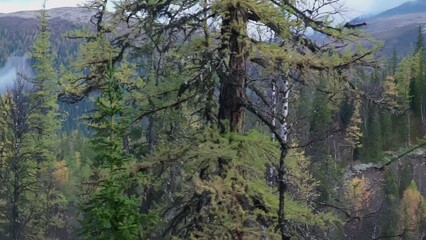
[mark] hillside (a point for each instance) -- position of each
(18, 30)
(17, 34)
(75, 15)
(398, 27)
(410, 7)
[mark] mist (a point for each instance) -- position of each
(8, 72)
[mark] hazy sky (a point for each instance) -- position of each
(356, 7)
(371, 6)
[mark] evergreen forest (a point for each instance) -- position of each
(211, 119)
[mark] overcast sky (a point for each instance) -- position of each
(355, 7)
(370, 6)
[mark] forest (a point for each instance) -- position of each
(221, 119)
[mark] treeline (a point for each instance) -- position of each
(197, 127)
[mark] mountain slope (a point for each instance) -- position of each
(418, 6)
(71, 14)
(18, 30)
(398, 27)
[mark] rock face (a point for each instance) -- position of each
(368, 225)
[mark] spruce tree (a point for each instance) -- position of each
(44, 123)
(112, 209)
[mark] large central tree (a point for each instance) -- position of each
(219, 59)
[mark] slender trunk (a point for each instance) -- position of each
(15, 213)
(335, 150)
(285, 109)
(233, 83)
(421, 109)
(16, 195)
(282, 188)
(271, 169)
(420, 180)
(149, 192)
(409, 130)
(150, 135)
(274, 105)
(282, 183)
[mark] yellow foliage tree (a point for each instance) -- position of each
(61, 172)
(359, 194)
(300, 178)
(412, 212)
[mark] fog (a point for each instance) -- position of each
(13, 65)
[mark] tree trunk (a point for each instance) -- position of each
(282, 182)
(274, 106)
(233, 82)
(282, 188)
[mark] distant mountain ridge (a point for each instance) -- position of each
(397, 27)
(18, 30)
(417, 6)
(72, 14)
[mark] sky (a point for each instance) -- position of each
(360, 7)
(355, 7)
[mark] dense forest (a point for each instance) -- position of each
(224, 119)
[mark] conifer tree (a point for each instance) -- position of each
(44, 123)
(18, 170)
(200, 70)
(418, 81)
(112, 209)
(30, 129)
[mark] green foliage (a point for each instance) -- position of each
(232, 183)
(30, 190)
(329, 174)
(111, 213)
(372, 142)
(111, 209)
(155, 145)
(390, 215)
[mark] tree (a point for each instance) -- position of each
(412, 212)
(29, 132)
(403, 76)
(201, 70)
(112, 209)
(44, 123)
(18, 171)
(417, 87)
(389, 217)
